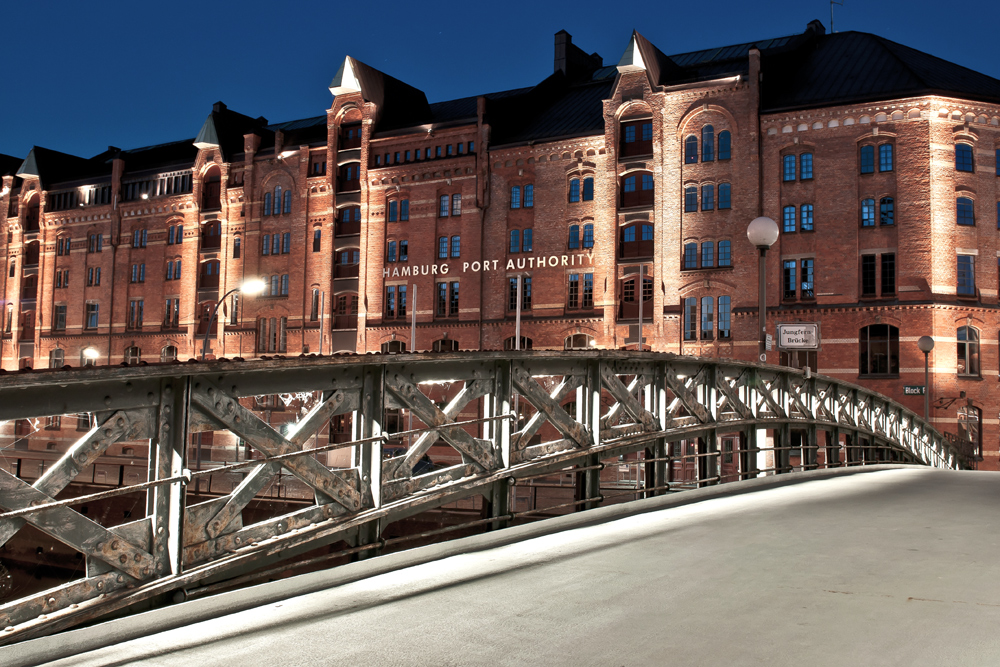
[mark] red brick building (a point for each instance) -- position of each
(606, 190)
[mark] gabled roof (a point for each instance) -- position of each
(225, 128)
(399, 104)
(176, 154)
(52, 167)
(302, 132)
(9, 164)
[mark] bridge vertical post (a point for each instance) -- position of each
(500, 402)
(833, 448)
(168, 500)
(710, 400)
(810, 453)
(370, 417)
(659, 408)
(590, 486)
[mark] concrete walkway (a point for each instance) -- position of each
(891, 567)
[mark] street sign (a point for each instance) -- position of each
(798, 336)
(914, 390)
(768, 342)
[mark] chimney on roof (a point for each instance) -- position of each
(218, 106)
(573, 61)
(815, 27)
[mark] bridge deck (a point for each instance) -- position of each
(894, 566)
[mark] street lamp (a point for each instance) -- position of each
(250, 287)
(762, 232)
(90, 354)
(926, 344)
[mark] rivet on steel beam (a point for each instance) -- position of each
(120, 579)
(51, 600)
(166, 409)
(107, 400)
(138, 558)
(128, 386)
(165, 427)
(150, 396)
(120, 422)
(211, 391)
(108, 432)
(123, 559)
(100, 546)
(146, 571)
(168, 390)
(100, 584)
(114, 545)
(197, 385)
(218, 405)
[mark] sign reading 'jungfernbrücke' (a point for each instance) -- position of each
(798, 336)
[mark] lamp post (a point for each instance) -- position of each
(251, 287)
(762, 232)
(926, 344)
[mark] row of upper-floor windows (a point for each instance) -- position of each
(708, 198)
(281, 203)
(707, 258)
(420, 154)
(710, 151)
(159, 186)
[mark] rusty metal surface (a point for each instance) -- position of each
(625, 402)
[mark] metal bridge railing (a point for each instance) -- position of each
(536, 414)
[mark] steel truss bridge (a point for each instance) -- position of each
(625, 402)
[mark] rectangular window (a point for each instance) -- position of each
(265, 248)
(456, 204)
(707, 304)
(867, 159)
(885, 157)
(172, 313)
(525, 294)
(690, 318)
(690, 255)
(135, 314)
(806, 218)
(868, 213)
(573, 293)
(788, 219)
(725, 316)
(574, 190)
(403, 250)
(966, 275)
(456, 246)
(443, 247)
(529, 196)
(515, 196)
(526, 240)
(236, 248)
(317, 240)
(690, 199)
(390, 254)
(443, 207)
(393, 211)
(806, 289)
(966, 214)
(275, 244)
(707, 197)
(725, 196)
(707, 254)
(788, 279)
(806, 166)
(453, 302)
(888, 274)
(442, 299)
(588, 236)
(449, 152)
(868, 275)
(286, 243)
(588, 290)
(515, 241)
(725, 253)
(588, 189)
(59, 318)
(90, 321)
(404, 210)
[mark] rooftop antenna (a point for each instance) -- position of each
(832, 3)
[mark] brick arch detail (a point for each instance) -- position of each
(691, 116)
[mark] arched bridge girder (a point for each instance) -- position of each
(506, 416)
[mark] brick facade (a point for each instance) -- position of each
(454, 164)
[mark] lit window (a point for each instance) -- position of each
(788, 219)
(515, 197)
(868, 213)
(968, 351)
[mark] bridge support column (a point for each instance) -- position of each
(782, 453)
(369, 455)
(711, 467)
(169, 459)
(810, 453)
(748, 458)
(833, 448)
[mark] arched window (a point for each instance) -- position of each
(788, 168)
(515, 240)
(868, 213)
(509, 344)
(580, 341)
(574, 237)
(346, 263)
(725, 196)
(970, 435)
(348, 221)
(691, 150)
(31, 254)
(965, 211)
(212, 189)
(629, 300)
(725, 253)
(690, 255)
(690, 199)
(885, 157)
(443, 206)
(211, 235)
(588, 189)
(968, 351)
(887, 211)
(132, 355)
(346, 315)
(515, 196)
(636, 240)
(348, 178)
(588, 235)
(168, 354)
(867, 159)
(707, 254)
(637, 137)
(205, 309)
(267, 203)
(574, 190)
(57, 358)
(443, 247)
(529, 196)
(445, 345)
(277, 200)
(963, 158)
(208, 277)
(788, 219)
(707, 143)
(725, 145)
(637, 190)
(806, 218)
(878, 350)
(288, 201)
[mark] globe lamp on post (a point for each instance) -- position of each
(762, 232)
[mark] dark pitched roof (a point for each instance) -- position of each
(850, 67)
(174, 154)
(302, 132)
(227, 128)
(53, 167)
(9, 164)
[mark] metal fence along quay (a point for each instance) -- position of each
(507, 417)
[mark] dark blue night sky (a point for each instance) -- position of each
(139, 73)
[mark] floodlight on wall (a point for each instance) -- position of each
(90, 353)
